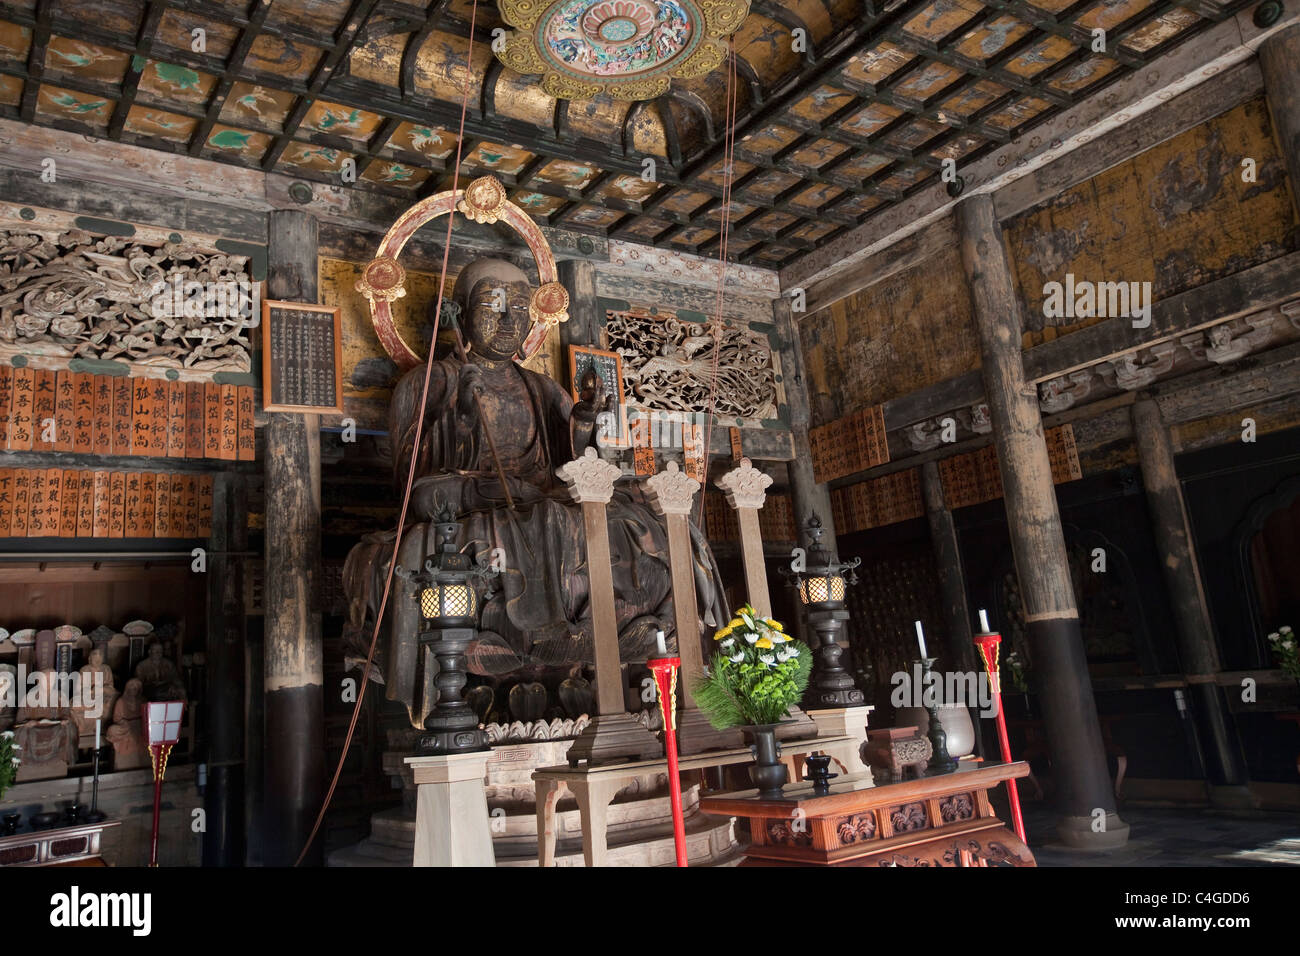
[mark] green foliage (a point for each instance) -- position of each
(757, 674)
(1285, 649)
(8, 761)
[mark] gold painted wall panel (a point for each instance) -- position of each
(1177, 216)
(903, 333)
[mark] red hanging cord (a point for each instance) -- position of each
(724, 233)
(419, 428)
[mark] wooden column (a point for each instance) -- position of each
(807, 496)
(294, 707)
(1279, 61)
(584, 325)
(1037, 541)
(223, 799)
(746, 490)
(613, 735)
(952, 574)
(672, 492)
(1220, 750)
(952, 587)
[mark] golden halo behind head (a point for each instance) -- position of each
(484, 201)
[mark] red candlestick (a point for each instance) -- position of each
(988, 647)
(158, 757)
(665, 671)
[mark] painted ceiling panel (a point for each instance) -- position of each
(848, 124)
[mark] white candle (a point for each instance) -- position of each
(984, 622)
(920, 639)
(659, 640)
(96, 733)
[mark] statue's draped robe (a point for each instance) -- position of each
(540, 615)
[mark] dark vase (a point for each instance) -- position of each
(768, 773)
(46, 820)
(11, 823)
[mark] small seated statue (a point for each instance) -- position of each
(43, 729)
(127, 731)
(97, 695)
(160, 677)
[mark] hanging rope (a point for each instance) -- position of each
(419, 428)
(724, 234)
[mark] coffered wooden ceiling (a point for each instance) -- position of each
(880, 95)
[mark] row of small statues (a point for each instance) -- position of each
(58, 725)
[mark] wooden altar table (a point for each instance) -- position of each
(938, 820)
(594, 788)
(78, 845)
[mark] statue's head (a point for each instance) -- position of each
(494, 296)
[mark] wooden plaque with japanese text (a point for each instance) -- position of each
(65, 410)
(302, 358)
(102, 417)
(123, 397)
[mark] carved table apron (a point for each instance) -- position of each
(939, 820)
(594, 788)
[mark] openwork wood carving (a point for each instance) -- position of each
(669, 364)
(109, 298)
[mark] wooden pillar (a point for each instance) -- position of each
(1279, 61)
(1221, 752)
(1037, 541)
(613, 735)
(746, 490)
(672, 492)
(807, 496)
(584, 325)
(223, 799)
(952, 587)
(294, 677)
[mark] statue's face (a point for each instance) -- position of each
(155, 652)
(96, 657)
(497, 320)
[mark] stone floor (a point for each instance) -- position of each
(1162, 837)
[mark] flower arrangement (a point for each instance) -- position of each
(9, 761)
(1286, 651)
(757, 673)
(1016, 668)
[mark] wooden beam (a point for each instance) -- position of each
(1210, 52)
(1230, 89)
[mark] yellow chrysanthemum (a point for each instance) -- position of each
(775, 625)
(735, 622)
(721, 632)
(764, 642)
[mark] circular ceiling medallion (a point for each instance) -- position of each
(629, 49)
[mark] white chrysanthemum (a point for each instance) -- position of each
(777, 637)
(767, 658)
(737, 657)
(782, 655)
(1285, 629)
(6, 735)
(1288, 644)
(1275, 637)
(792, 652)
(751, 638)
(728, 642)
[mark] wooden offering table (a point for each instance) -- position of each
(939, 820)
(595, 787)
